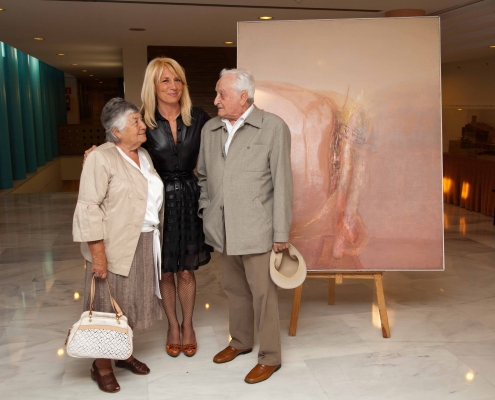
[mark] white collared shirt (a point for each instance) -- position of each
(155, 190)
(232, 129)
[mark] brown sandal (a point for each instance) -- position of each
(135, 366)
(173, 350)
(190, 349)
(107, 383)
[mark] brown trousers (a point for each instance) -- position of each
(253, 302)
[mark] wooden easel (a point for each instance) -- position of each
(337, 278)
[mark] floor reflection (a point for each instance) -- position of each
(442, 324)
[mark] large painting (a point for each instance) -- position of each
(362, 99)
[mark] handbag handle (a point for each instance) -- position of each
(115, 306)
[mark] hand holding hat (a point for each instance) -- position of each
(287, 268)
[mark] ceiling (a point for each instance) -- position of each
(92, 33)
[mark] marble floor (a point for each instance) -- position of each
(442, 324)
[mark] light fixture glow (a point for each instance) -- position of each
(266, 17)
(1, 9)
(38, 38)
(76, 296)
(60, 352)
(465, 190)
(85, 70)
(101, 82)
(207, 306)
(229, 42)
(459, 109)
(91, 75)
(469, 376)
(75, 64)
(60, 54)
(447, 184)
(492, 47)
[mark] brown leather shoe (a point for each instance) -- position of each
(261, 372)
(173, 350)
(107, 383)
(228, 354)
(135, 366)
(190, 349)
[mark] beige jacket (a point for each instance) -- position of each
(246, 196)
(111, 206)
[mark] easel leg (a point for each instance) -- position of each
(381, 305)
(331, 291)
(296, 302)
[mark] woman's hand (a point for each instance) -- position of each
(99, 262)
(86, 153)
(99, 267)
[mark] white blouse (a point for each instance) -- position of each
(153, 205)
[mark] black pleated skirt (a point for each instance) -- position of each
(184, 246)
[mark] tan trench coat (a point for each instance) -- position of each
(111, 206)
(246, 196)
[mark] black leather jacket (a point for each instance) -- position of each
(169, 157)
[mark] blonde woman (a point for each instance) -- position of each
(173, 140)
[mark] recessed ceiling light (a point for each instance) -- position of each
(91, 75)
(101, 82)
(459, 109)
(491, 47)
(137, 29)
(266, 17)
(38, 38)
(61, 54)
(85, 70)
(74, 64)
(229, 42)
(1, 9)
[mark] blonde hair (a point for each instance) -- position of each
(148, 92)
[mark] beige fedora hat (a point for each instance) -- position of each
(287, 268)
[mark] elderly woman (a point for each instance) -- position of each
(118, 219)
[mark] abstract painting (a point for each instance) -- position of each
(362, 99)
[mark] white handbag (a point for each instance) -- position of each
(99, 334)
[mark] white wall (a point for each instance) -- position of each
(469, 85)
(134, 61)
(73, 117)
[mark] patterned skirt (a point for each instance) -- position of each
(135, 293)
(184, 245)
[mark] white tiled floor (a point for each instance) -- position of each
(442, 323)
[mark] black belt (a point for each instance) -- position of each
(179, 177)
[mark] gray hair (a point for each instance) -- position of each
(114, 116)
(244, 81)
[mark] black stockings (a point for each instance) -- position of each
(186, 290)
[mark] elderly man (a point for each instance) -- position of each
(245, 178)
